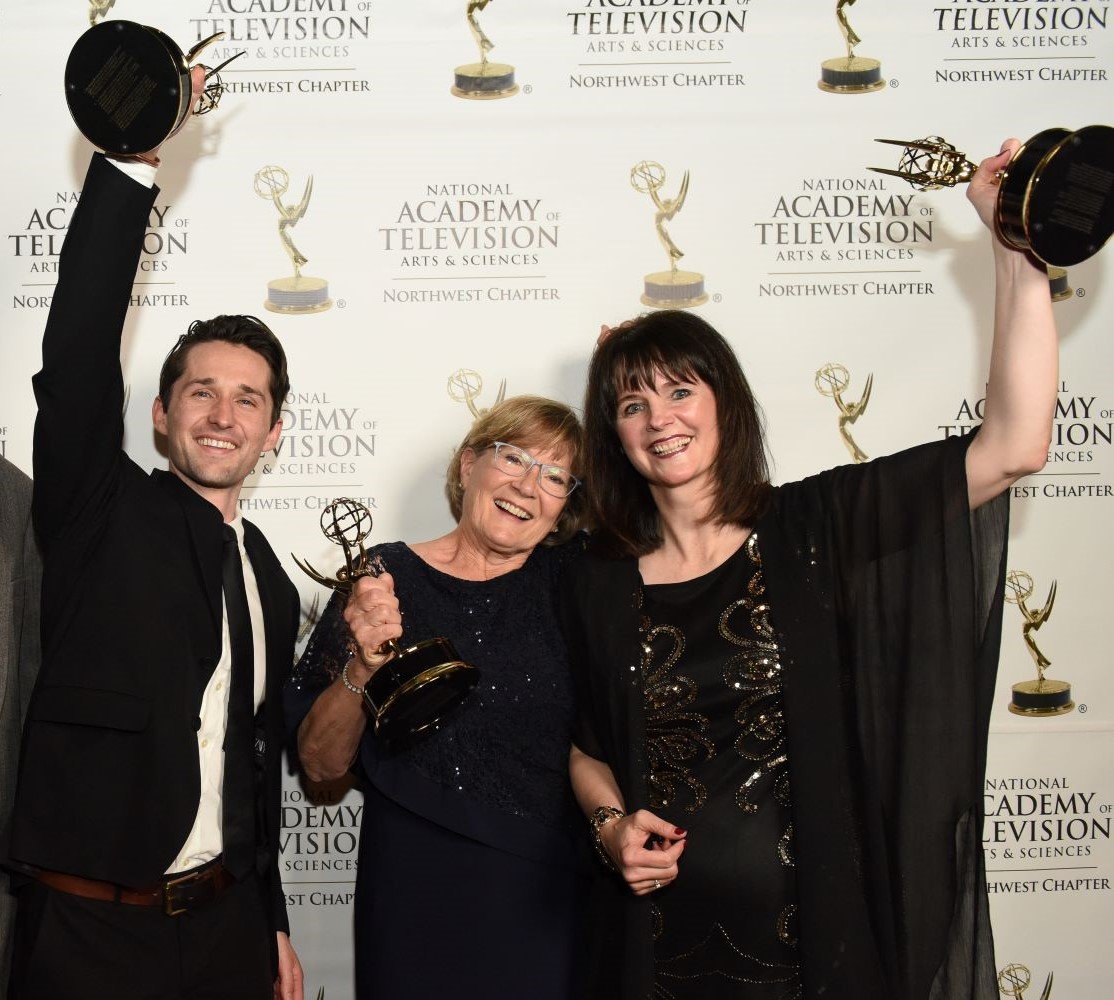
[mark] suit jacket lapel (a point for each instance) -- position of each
(204, 521)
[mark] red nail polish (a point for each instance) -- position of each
(679, 832)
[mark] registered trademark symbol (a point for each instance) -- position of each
(528, 89)
(895, 83)
(1082, 709)
(717, 297)
(1080, 292)
(341, 304)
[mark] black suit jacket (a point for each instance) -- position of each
(132, 606)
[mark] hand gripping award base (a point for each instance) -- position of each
(420, 684)
(128, 86)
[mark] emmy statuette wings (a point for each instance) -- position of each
(420, 684)
(1043, 697)
(1055, 197)
(833, 380)
(466, 385)
(300, 294)
(672, 289)
(128, 86)
(1014, 979)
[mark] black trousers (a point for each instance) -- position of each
(70, 947)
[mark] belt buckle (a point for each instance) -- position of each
(175, 903)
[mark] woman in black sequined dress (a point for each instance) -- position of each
(784, 692)
(468, 883)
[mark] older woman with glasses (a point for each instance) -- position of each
(468, 884)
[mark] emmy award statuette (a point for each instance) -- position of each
(1042, 697)
(1055, 197)
(300, 294)
(128, 86)
(483, 81)
(98, 9)
(466, 385)
(1059, 285)
(420, 684)
(832, 380)
(672, 289)
(850, 74)
(1015, 979)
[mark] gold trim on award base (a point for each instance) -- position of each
(420, 684)
(300, 294)
(482, 81)
(672, 289)
(1042, 698)
(850, 74)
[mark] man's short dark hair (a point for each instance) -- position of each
(245, 331)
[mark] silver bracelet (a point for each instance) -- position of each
(355, 689)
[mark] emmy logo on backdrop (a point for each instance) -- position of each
(1055, 197)
(1015, 979)
(300, 294)
(485, 80)
(466, 385)
(832, 380)
(850, 74)
(1042, 697)
(672, 289)
(420, 684)
(99, 8)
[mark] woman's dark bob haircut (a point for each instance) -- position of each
(684, 347)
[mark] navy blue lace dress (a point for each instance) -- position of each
(469, 881)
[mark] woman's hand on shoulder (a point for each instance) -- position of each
(373, 617)
(645, 850)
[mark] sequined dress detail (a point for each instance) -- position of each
(718, 766)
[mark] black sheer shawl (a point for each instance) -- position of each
(886, 595)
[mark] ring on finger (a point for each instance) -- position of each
(657, 884)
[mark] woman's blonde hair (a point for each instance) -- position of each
(531, 423)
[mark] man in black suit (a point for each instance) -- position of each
(146, 823)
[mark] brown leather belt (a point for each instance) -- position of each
(176, 895)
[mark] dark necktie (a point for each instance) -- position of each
(238, 793)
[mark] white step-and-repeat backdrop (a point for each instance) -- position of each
(468, 241)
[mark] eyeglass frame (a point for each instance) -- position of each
(496, 445)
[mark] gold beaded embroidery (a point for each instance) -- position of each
(675, 739)
(756, 673)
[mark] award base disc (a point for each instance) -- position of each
(416, 689)
(1068, 207)
(674, 290)
(127, 87)
(298, 296)
(857, 75)
(484, 82)
(1059, 285)
(1041, 698)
